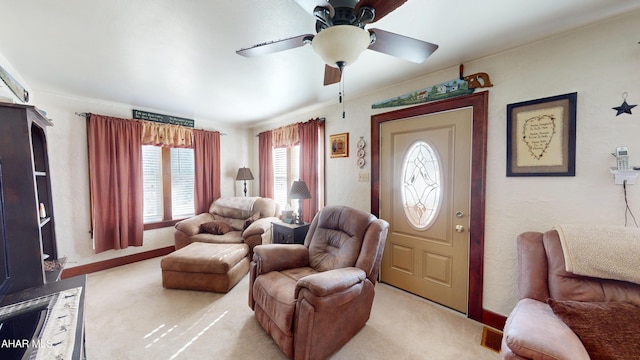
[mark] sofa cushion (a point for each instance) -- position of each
(608, 330)
(216, 227)
(275, 293)
(205, 258)
(337, 239)
(232, 237)
(236, 224)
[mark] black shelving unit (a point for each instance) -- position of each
(27, 184)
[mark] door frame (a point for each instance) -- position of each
(479, 103)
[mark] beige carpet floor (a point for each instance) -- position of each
(128, 315)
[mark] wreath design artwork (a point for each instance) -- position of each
(538, 132)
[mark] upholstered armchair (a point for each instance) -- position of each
(313, 298)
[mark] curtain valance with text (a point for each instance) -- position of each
(166, 135)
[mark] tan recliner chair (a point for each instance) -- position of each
(313, 298)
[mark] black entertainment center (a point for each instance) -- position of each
(39, 313)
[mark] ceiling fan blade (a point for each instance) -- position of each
(310, 5)
(275, 46)
(382, 7)
(331, 75)
(401, 46)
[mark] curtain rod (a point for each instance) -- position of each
(84, 114)
(319, 119)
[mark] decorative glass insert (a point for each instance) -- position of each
(421, 185)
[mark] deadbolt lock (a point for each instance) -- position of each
(459, 214)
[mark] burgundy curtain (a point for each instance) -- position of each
(115, 166)
(206, 155)
(310, 155)
(265, 164)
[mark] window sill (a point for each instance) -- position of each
(161, 224)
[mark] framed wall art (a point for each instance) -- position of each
(339, 145)
(541, 137)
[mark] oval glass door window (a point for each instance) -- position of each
(421, 185)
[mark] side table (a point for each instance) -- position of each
(284, 233)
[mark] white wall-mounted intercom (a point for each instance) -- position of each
(622, 157)
(622, 173)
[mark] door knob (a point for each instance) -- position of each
(459, 228)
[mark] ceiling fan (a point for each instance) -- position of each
(341, 35)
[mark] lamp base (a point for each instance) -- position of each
(299, 219)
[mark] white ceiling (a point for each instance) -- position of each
(178, 56)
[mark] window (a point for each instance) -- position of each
(286, 169)
(421, 180)
(168, 195)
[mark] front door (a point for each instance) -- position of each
(425, 174)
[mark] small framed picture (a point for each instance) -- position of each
(339, 145)
(541, 137)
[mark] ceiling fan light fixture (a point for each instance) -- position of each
(341, 44)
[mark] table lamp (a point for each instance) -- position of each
(299, 191)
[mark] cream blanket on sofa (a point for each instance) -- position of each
(608, 252)
(237, 202)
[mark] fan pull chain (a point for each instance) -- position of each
(342, 98)
(341, 65)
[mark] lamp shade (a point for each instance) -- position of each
(244, 174)
(341, 43)
(299, 190)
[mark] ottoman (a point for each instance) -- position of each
(205, 266)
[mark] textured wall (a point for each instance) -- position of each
(68, 159)
(599, 62)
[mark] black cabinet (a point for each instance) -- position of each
(22, 298)
(284, 233)
(26, 185)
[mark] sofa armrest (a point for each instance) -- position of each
(191, 226)
(277, 257)
(258, 227)
(532, 267)
(332, 281)
(533, 331)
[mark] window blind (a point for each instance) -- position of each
(182, 182)
(152, 182)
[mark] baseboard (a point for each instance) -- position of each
(494, 320)
(115, 262)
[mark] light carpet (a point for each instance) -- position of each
(128, 315)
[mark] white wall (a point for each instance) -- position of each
(600, 63)
(68, 160)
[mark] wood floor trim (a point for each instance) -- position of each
(115, 262)
(494, 320)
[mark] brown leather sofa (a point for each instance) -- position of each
(249, 220)
(556, 304)
(314, 298)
